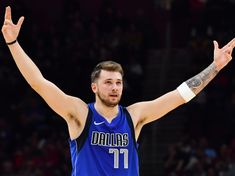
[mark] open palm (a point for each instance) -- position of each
(9, 29)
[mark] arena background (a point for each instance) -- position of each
(160, 44)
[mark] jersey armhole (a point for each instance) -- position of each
(130, 123)
(82, 138)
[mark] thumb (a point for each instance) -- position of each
(20, 22)
(216, 45)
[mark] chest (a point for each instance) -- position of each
(114, 134)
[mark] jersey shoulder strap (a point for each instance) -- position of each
(130, 123)
(82, 138)
(137, 146)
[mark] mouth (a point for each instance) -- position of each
(113, 95)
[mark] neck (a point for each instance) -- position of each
(108, 112)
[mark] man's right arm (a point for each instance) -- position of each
(72, 109)
(65, 105)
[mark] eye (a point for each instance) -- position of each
(108, 82)
(119, 83)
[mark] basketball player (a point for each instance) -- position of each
(103, 134)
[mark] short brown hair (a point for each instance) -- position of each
(107, 66)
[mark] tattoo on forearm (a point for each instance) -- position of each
(198, 82)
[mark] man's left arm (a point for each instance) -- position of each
(221, 58)
(148, 111)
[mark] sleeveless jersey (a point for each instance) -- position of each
(105, 149)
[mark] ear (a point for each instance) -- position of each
(94, 87)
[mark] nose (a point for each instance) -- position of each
(114, 87)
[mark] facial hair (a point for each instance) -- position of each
(106, 102)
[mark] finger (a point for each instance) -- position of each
(7, 22)
(226, 50)
(231, 43)
(8, 13)
(20, 22)
(228, 56)
(229, 48)
(216, 45)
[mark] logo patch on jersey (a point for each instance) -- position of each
(98, 123)
(109, 139)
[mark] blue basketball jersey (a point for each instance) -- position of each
(105, 149)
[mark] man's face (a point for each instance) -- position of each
(108, 88)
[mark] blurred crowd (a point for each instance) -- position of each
(198, 157)
(34, 141)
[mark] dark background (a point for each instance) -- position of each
(160, 44)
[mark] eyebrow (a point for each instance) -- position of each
(110, 79)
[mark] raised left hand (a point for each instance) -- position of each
(222, 56)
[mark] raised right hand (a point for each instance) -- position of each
(10, 30)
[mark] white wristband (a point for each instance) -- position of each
(186, 93)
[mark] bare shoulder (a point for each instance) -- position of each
(76, 119)
(80, 110)
(134, 111)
